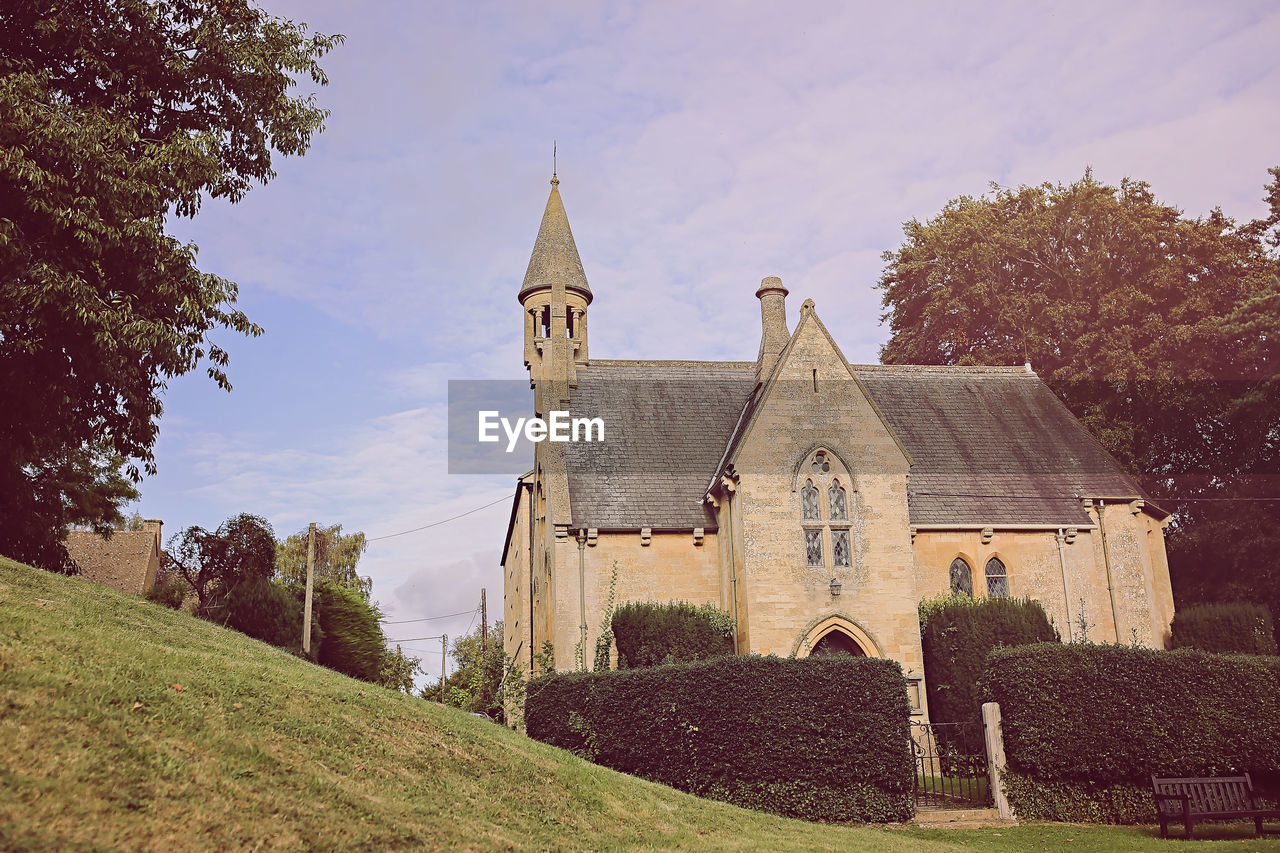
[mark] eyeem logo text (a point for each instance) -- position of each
(559, 427)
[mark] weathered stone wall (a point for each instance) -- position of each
(670, 568)
(1139, 573)
(1032, 561)
(784, 597)
(516, 583)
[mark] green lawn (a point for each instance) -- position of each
(962, 792)
(99, 750)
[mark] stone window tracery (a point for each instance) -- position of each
(997, 579)
(809, 501)
(961, 577)
(826, 524)
(837, 506)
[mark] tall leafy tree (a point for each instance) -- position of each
(116, 115)
(336, 558)
(1157, 330)
(213, 563)
(477, 682)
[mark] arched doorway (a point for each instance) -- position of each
(837, 642)
(836, 635)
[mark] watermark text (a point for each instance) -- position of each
(558, 427)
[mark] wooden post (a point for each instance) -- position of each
(995, 757)
(484, 624)
(444, 656)
(311, 563)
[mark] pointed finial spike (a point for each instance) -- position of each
(554, 180)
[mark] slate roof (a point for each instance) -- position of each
(652, 470)
(122, 562)
(990, 446)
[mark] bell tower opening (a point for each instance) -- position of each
(555, 296)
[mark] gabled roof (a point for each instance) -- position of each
(991, 445)
(988, 445)
(666, 422)
(555, 255)
(761, 391)
(121, 562)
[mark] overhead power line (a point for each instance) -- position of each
(415, 639)
(428, 618)
(1161, 498)
(440, 522)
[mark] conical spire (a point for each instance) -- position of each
(555, 255)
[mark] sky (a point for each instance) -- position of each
(701, 147)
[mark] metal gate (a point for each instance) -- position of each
(951, 765)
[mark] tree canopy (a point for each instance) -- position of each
(1157, 330)
(477, 682)
(336, 556)
(118, 114)
(214, 563)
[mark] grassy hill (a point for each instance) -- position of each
(100, 749)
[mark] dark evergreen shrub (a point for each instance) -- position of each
(649, 634)
(264, 610)
(957, 632)
(1236, 626)
(816, 738)
(353, 640)
(1085, 726)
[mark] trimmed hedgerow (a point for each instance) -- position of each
(1078, 802)
(957, 632)
(816, 738)
(1236, 626)
(1085, 727)
(649, 634)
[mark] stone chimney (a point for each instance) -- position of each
(773, 318)
(153, 525)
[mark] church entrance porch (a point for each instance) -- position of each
(951, 765)
(836, 635)
(837, 642)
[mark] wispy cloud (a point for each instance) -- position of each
(702, 147)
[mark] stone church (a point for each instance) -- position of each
(815, 500)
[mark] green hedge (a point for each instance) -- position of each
(353, 640)
(816, 738)
(1085, 726)
(649, 634)
(1236, 626)
(264, 610)
(957, 632)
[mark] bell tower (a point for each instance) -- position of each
(555, 296)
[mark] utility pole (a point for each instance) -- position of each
(484, 624)
(444, 657)
(311, 564)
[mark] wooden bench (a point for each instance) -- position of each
(1223, 798)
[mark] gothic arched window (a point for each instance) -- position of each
(830, 519)
(809, 501)
(961, 577)
(837, 509)
(997, 579)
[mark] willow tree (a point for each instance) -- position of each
(335, 556)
